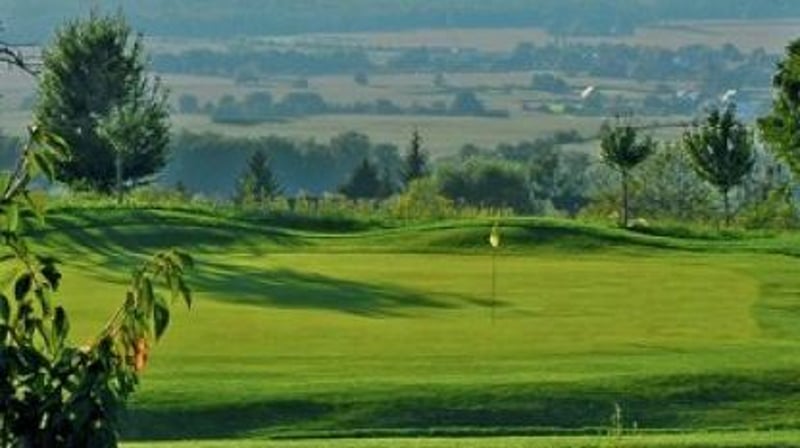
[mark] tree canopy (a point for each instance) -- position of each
(721, 149)
(623, 150)
(781, 127)
(94, 67)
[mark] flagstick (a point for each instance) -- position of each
(494, 281)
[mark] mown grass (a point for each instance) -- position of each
(388, 332)
(705, 440)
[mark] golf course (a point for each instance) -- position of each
(596, 336)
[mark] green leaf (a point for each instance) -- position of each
(12, 218)
(60, 326)
(160, 317)
(45, 301)
(57, 145)
(45, 165)
(5, 309)
(146, 294)
(36, 205)
(52, 275)
(23, 286)
(185, 259)
(185, 292)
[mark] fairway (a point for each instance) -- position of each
(391, 332)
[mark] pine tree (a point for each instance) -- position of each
(258, 183)
(363, 183)
(622, 150)
(416, 160)
(722, 152)
(95, 67)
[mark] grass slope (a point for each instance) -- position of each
(389, 332)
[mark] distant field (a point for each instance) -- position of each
(443, 135)
(772, 35)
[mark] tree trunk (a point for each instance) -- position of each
(727, 203)
(624, 217)
(118, 166)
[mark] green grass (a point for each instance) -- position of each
(388, 332)
(704, 440)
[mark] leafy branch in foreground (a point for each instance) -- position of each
(53, 393)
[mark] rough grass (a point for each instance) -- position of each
(389, 332)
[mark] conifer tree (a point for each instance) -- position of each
(97, 66)
(258, 182)
(363, 183)
(416, 160)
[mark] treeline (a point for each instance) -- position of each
(259, 107)
(212, 164)
(714, 69)
(250, 65)
(539, 177)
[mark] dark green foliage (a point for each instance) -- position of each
(307, 166)
(722, 152)
(53, 394)
(361, 78)
(363, 183)
(467, 103)
(416, 160)
(301, 103)
(547, 82)
(95, 66)
(388, 185)
(560, 178)
(258, 183)
(188, 104)
(622, 150)
(669, 187)
(781, 128)
(486, 183)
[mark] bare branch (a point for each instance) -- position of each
(9, 55)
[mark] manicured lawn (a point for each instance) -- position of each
(390, 332)
(709, 440)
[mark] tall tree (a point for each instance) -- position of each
(623, 150)
(416, 160)
(781, 128)
(722, 152)
(364, 183)
(258, 183)
(96, 66)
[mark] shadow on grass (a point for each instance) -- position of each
(285, 288)
(146, 232)
(681, 402)
(219, 422)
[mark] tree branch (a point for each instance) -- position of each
(15, 57)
